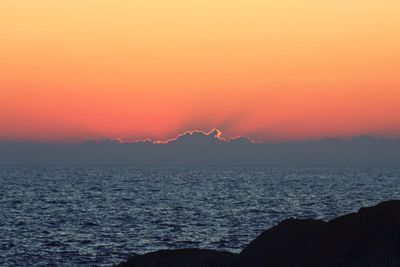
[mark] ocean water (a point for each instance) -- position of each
(100, 215)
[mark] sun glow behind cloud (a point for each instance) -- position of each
(270, 70)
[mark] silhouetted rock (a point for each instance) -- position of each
(282, 245)
(182, 258)
(368, 238)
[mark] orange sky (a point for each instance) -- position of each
(133, 69)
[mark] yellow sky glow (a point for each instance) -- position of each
(272, 70)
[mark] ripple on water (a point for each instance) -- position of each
(98, 216)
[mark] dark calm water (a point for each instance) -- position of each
(98, 216)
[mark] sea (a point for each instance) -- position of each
(101, 215)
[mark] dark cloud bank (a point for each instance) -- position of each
(198, 148)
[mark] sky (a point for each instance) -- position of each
(74, 70)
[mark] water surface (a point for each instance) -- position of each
(100, 215)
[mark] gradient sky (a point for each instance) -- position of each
(271, 70)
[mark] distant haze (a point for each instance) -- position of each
(198, 148)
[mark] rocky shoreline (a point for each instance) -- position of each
(368, 238)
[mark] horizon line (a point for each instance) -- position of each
(213, 133)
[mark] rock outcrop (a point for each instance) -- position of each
(368, 238)
(183, 258)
